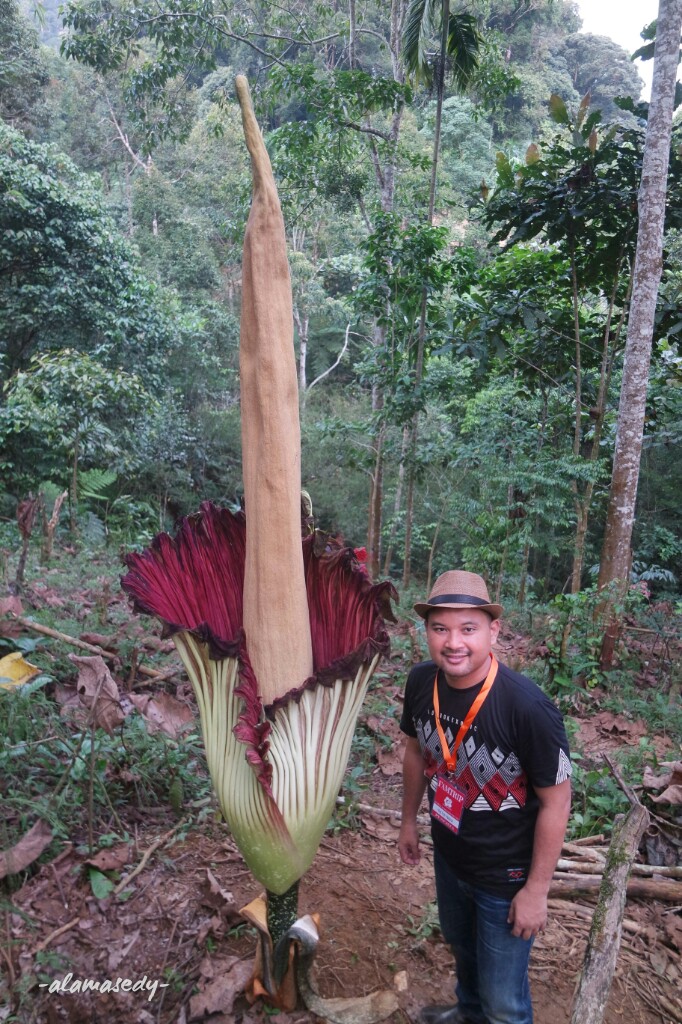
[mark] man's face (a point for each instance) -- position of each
(460, 643)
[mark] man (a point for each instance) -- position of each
(492, 749)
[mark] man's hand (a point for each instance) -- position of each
(408, 843)
(528, 913)
(414, 785)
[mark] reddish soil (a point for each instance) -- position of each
(181, 924)
(178, 922)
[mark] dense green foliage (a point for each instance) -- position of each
(123, 195)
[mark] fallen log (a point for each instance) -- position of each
(595, 868)
(571, 886)
(607, 923)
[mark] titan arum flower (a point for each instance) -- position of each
(280, 635)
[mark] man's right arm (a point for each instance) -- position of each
(414, 785)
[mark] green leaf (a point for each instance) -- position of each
(101, 885)
(557, 109)
(532, 154)
(504, 169)
(582, 110)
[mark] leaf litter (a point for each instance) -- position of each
(175, 918)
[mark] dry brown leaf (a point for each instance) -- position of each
(112, 859)
(98, 692)
(10, 628)
(213, 926)
(28, 849)
(107, 643)
(51, 598)
(119, 951)
(651, 781)
(390, 761)
(157, 643)
(671, 783)
(385, 726)
(225, 979)
(213, 894)
(630, 731)
(672, 926)
(380, 828)
(26, 514)
(163, 713)
(69, 701)
(587, 734)
(671, 795)
(11, 606)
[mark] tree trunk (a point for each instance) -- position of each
(397, 503)
(604, 940)
(73, 497)
(583, 501)
(376, 501)
(409, 502)
(421, 336)
(523, 581)
(302, 324)
(579, 546)
(432, 550)
(665, 889)
(385, 177)
(615, 554)
(50, 525)
(26, 514)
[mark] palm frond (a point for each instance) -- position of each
(420, 39)
(420, 24)
(464, 47)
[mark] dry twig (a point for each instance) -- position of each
(161, 841)
(37, 627)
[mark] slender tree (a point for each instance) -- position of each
(460, 43)
(615, 556)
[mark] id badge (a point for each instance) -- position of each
(448, 804)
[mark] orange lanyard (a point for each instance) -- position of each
(450, 756)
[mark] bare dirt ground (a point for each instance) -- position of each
(181, 926)
(177, 921)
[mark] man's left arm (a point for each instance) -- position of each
(528, 911)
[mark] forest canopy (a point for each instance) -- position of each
(460, 311)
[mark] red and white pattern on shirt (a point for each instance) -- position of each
(490, 781)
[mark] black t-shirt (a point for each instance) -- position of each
(516, 742)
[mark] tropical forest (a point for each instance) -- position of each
(303, 304)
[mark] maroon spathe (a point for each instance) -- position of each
(194, 582)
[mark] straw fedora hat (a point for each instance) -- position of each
(457, 589)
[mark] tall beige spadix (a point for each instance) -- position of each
(276, 619)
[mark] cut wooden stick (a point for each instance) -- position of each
(585, 852)
(574, 910)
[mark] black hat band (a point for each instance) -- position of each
(456, 599)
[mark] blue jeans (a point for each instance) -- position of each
(492, 965)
